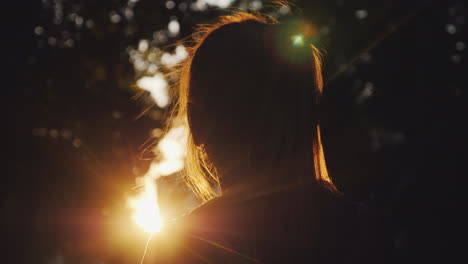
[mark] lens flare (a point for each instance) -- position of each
(172, 150)
(298, 40)
(146, 208)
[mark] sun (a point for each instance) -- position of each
(146, 209)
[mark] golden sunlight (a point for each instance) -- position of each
(146, 208)
(172, 148)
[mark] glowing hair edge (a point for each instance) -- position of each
(199, 173)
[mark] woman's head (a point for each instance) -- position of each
(250, 91)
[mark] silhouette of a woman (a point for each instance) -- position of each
(250, 92)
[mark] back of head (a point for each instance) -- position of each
(250, 92)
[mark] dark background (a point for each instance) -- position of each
(393, 126)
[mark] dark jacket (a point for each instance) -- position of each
(298, 224)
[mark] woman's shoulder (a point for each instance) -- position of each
(301, 203)
(259, 226)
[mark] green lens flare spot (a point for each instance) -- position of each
(297, 40)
